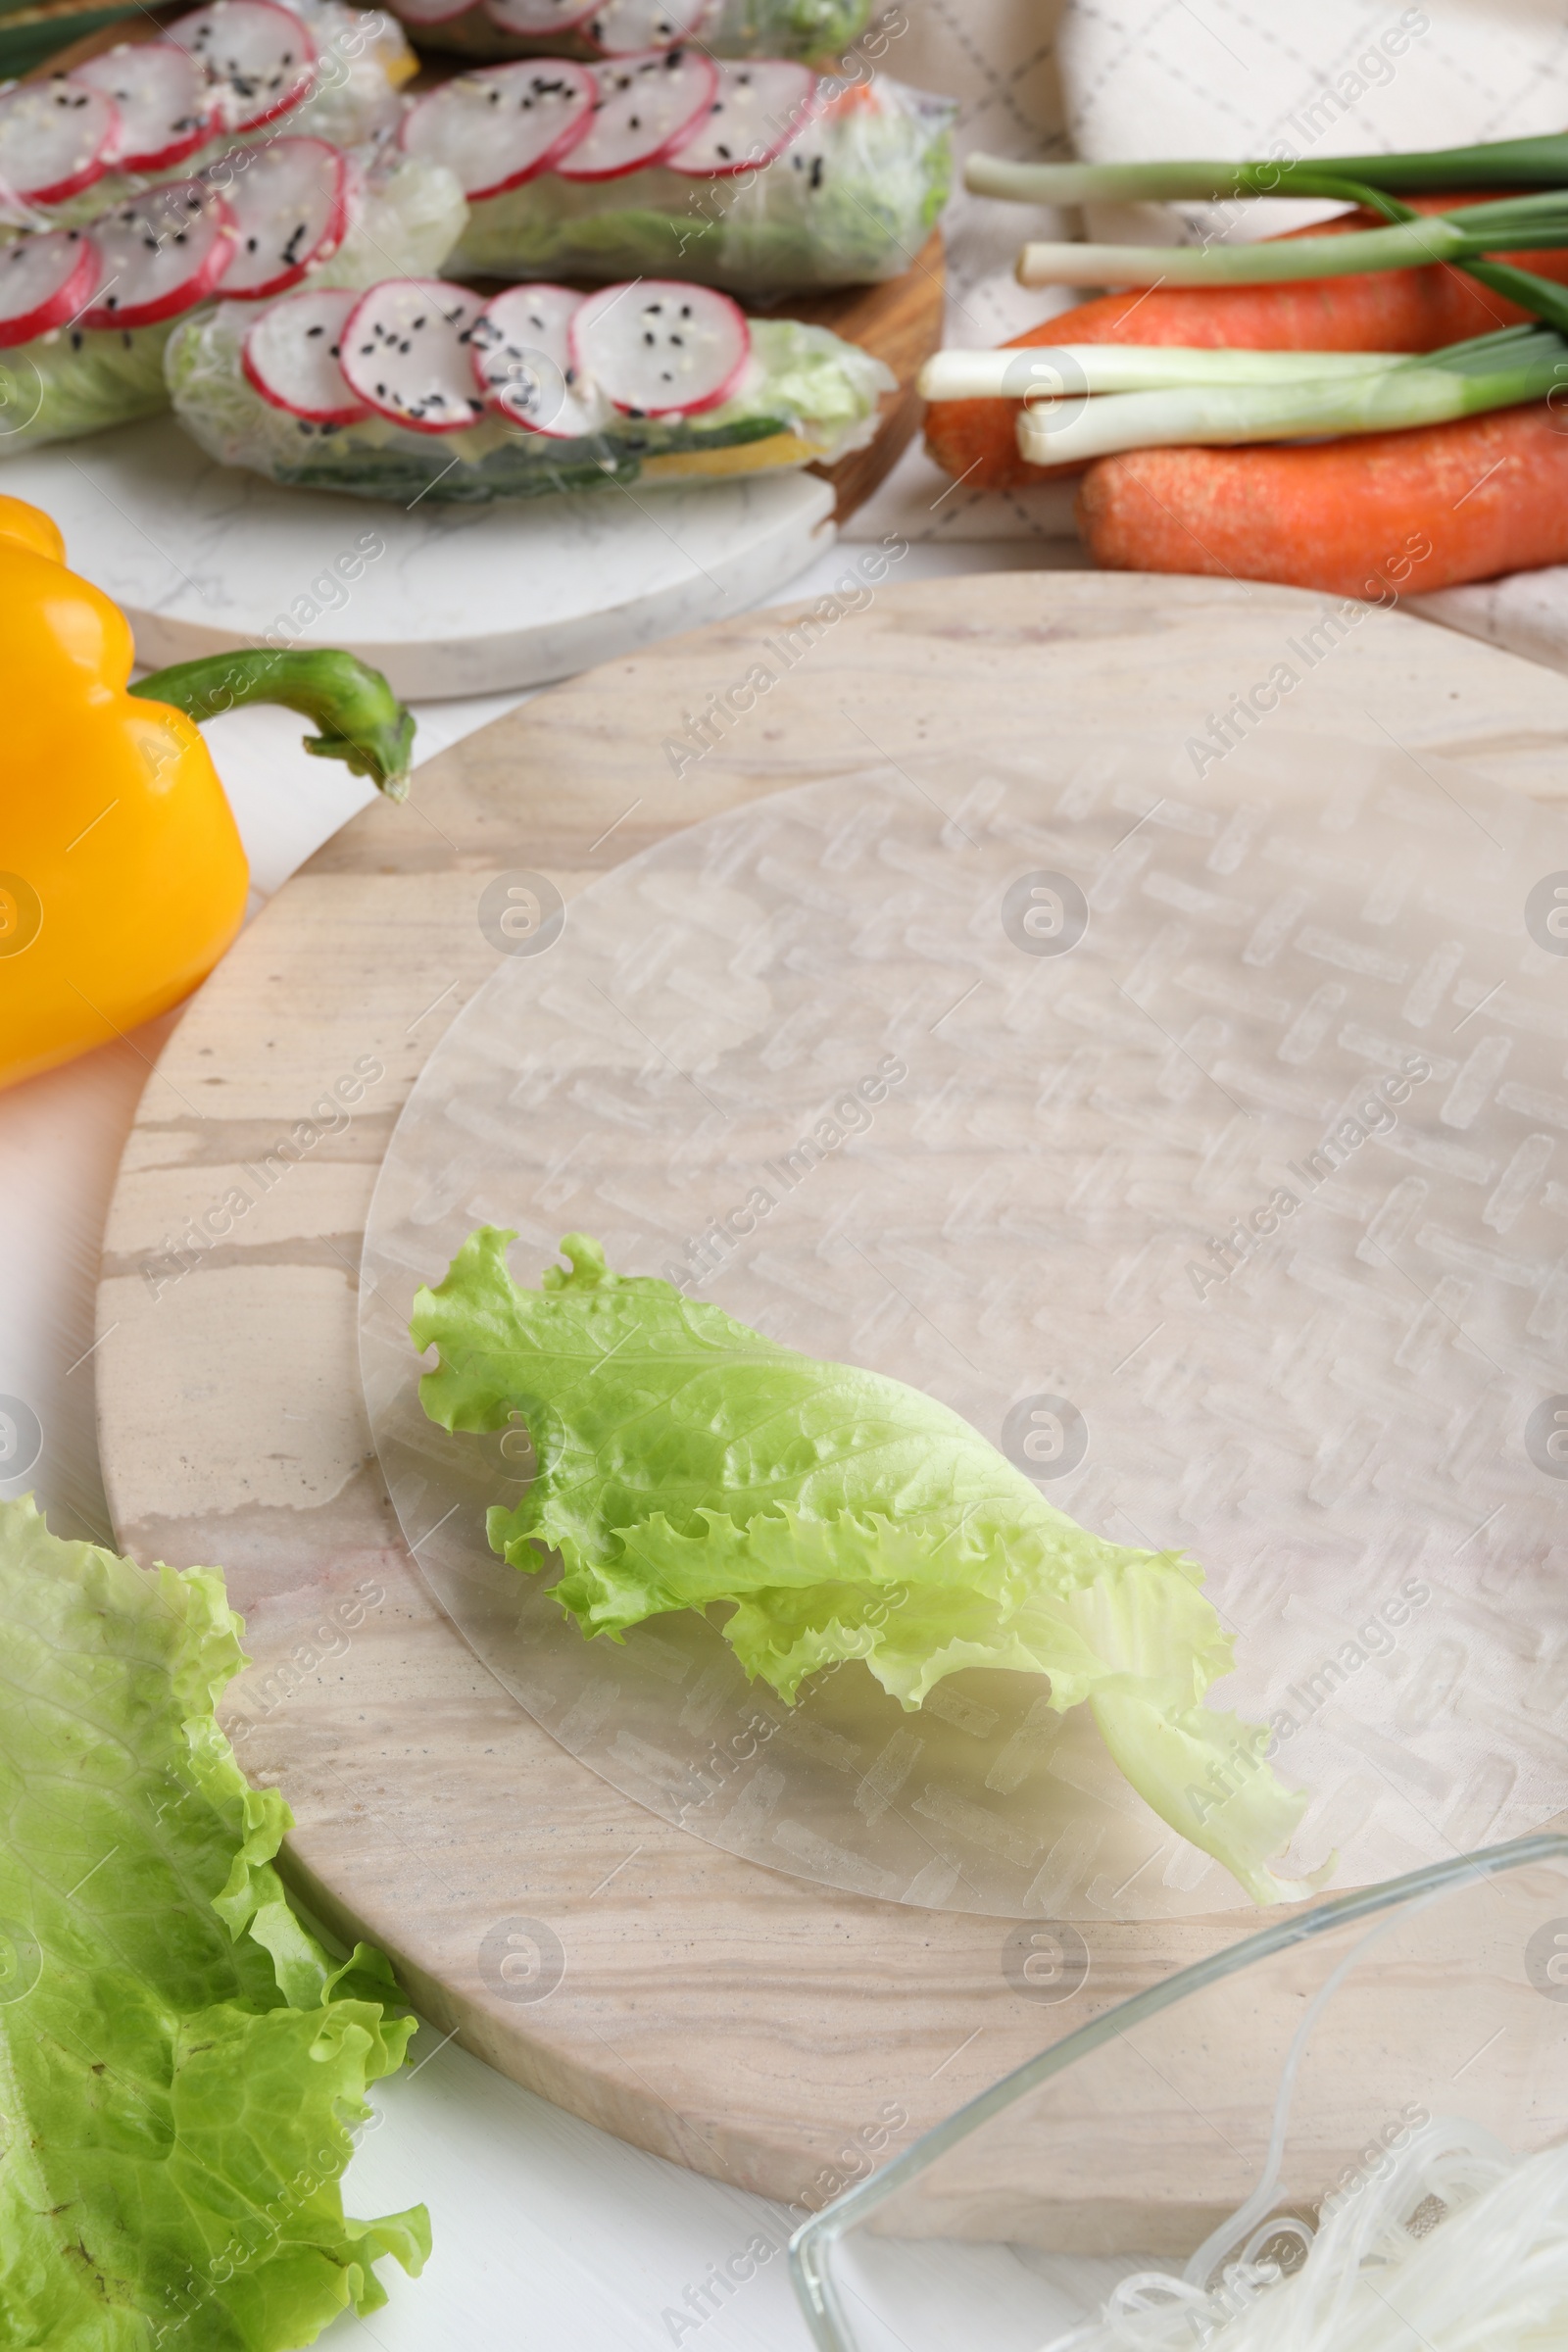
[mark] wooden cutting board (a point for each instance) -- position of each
(751, 2025)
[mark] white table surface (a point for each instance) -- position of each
(549, 2235)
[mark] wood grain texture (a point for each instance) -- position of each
(744, 2023)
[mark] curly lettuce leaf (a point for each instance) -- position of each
(685, 1461)
(181, 2063)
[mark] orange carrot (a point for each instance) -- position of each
(1390, 309)
(1364, 516)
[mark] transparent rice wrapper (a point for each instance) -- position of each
(808, 28)
(78, 381)
(807, 397)
(851, 201)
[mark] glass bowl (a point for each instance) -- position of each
(1181, 2153)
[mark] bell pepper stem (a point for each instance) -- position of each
(362, 723)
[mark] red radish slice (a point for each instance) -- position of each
(45, 281)
(162, 252)
(504, 125)
(660, 349)
(647, 106)
(291, 354)
(168, 108)
(261, 56)
(291, 206)
(624, 27)
(535, 19)
(56, 138)
(404, 351)
(759, 108)
(521, 352)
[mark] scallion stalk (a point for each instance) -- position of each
(1540, 162)
(1220, 407)
(1516, 223)
(1057, 370)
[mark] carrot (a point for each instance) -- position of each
(1425, 509)
(1394, 310)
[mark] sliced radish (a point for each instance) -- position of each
(56, 137)
(291, 208)
(404, 352)
(660, 349)
(522, 350)
(759, 108)
(291, 356)
(646, 106)
(161, 252)
(168, 108)
(536, 19)
(44, 281)
(623, 26)
(501, 126)
(261, 56)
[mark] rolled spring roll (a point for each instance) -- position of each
(237, 74)
(427, 390)
(761, 177)
(85, 314)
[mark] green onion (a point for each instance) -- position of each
(1205, 402)
(1517, 223)
(1358, 179)
(1507, 163)
(1062, 368)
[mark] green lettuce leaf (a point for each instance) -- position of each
(685, 1461)
(181, 2065)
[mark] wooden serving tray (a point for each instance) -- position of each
(756, 2028)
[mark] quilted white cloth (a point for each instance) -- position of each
(1249, 77)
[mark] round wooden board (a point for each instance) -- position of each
(747, 2024)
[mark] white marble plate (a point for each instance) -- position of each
(446, 600)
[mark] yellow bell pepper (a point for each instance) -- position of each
(123, 878)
